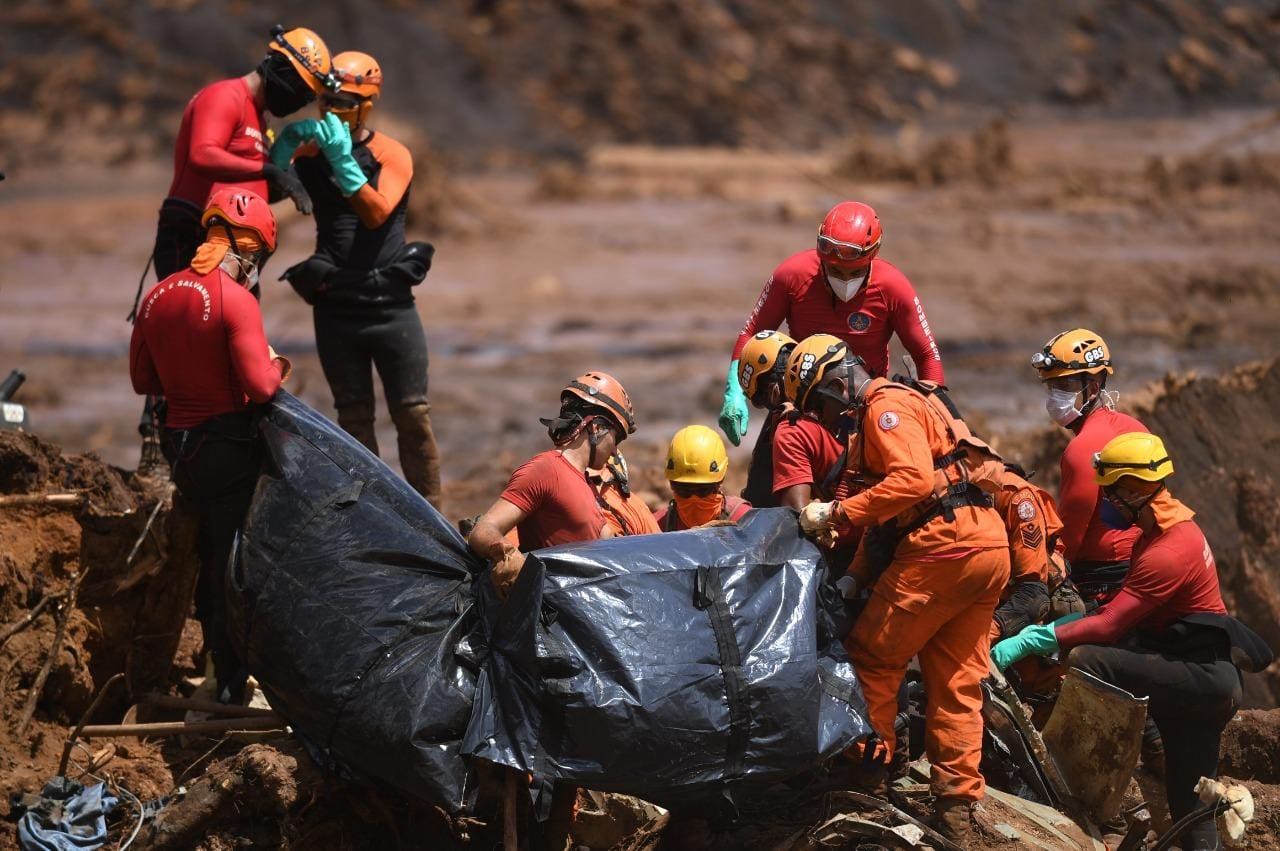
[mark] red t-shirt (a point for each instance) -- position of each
(198, 341)
(797, 292)
(221, 141)
(803, 453)
(1084, 536)
(1172, 574)
(559, 505)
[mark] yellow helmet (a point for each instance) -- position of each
(1075, 352)
(1136, 454)
(760, 356)
(697, 457)
(809, 361)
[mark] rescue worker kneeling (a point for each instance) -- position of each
(696, 466)
(1166, 635)
(948, 559)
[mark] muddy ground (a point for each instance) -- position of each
(1161, 234)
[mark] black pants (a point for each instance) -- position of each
(1190, 703)
(177, 237)
(215, 467)
(352, 343)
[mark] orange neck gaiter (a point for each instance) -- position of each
(695, 511)
(216, 245)
(1169, 511)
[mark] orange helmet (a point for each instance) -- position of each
(762, 354)
(809, 362)
(360, 79)
(849, 237)
(603, 391)
(235, 207)
(308, 54)
(1075, 352)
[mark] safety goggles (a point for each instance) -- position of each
(828, 247)
(1102, 466)
(341, 101)
(328, 81)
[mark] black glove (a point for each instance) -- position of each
(308, 277)
(284, 183)
(1027, 604)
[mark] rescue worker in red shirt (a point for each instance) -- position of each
(1166, 635)
(1074, 367)
(948, 562)
(222, 140)
(199, 342)
(548, 498)
(361, 277)
(842, 288)
(696, 466)
(795, 459)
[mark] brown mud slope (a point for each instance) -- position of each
(104, 83)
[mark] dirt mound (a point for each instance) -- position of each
(1251, 746)
(105, 84)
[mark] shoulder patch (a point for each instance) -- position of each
(889, 421)
(859, 322)
(1026, 510)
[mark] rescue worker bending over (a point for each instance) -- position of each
(948, 558)
(696, 466)
(840, 287)
(1166, 635)
(1074, 367)
(1035, 571)
(795, 459)
(199, 343)
(360, 279)
(624, 512)
(548, 498)
(222, 140)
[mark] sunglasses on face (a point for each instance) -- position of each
(828, 247)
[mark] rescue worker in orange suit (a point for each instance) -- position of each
(795, 459)
(696, 466)
(199, 342)
(840, 287)
(222, 140)
(1074, 366)
(948, 559)
(624, 512)
(548, 498)
(360, 279)
(1166, 635)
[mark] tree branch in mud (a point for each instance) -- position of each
(64, 614)
(25, 621)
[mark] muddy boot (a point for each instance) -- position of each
(952, 817)
(419, 455)
(357, 421)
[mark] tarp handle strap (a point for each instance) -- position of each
(834, 686)
(711, 597)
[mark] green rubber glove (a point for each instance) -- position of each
(734, 413)
(334, 140)
(1035, 640)
(293, 135)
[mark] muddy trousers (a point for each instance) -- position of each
(1190, 702)
(215, 468)
(353, 342)
(940, 611)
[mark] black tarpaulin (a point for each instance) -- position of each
(350, 599)
(665, 664)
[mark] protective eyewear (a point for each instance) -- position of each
(341, 101)
(1102, 466)
(328, 81)
(829, 247)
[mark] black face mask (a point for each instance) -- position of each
(284, 91)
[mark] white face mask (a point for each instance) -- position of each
(1062, 408)
(846, 289)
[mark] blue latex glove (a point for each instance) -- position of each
(292, 136)
(334, 140)
(1035, 640)
(734, 413)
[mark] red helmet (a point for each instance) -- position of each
(242, 208)
(849, 238)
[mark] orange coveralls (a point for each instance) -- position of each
(936, 598)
